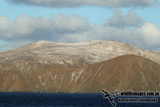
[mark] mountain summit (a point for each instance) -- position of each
(74, 54)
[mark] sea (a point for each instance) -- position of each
(16, 99)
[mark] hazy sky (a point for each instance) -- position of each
(131, 21)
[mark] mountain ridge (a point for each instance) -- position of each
(75, 54)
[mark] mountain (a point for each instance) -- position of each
(74, 54)
(128, 72)
(79, 67)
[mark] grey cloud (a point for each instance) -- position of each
(26, 27)
(146, 36)
(122, 21)
(76, 3)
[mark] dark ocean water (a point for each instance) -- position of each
(62, 100)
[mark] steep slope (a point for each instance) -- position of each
(73, 54)
(128, 72)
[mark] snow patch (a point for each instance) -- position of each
(13, 77)
(97, 71)
(76, 75)
(54, 78)
(29, 68)
(40, 79)
(109, 48)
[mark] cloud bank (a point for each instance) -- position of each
(77, 3)
(60, 28)
(26, 27)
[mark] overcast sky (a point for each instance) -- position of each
(131, 21)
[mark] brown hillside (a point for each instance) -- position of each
(128, 72)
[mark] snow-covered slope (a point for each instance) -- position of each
(74, 54)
